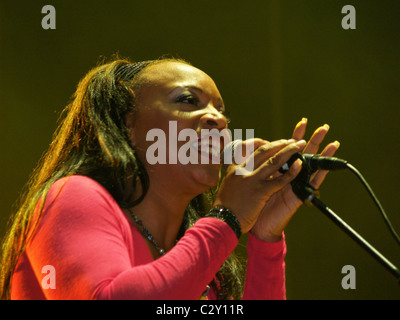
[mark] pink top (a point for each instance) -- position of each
(97, 253)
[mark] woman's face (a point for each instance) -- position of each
(186, 96)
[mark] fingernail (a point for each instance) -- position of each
(337, 143)
(326, 126)
(304, 120)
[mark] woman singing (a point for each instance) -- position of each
(109, 224)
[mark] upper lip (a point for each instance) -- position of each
(204, 141)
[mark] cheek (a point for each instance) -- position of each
(157, 130)
(145, 122)
(166, 133)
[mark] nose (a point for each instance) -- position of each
(212, 118)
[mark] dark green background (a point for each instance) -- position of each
(274, 62)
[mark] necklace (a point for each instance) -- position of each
(161, 251)
(147, 234)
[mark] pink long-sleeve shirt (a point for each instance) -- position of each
(95, 252)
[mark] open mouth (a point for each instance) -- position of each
(210, 148)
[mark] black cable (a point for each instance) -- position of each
(369, 189)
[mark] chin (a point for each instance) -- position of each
(207, 176)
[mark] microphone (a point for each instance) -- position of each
(312, 162)
(315, 162)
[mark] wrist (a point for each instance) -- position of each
(226, 215)
(268, 237)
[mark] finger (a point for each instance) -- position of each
(282, 181)
(241, 150)
(318, 177)
(276, 161)
(330, 149)
(264, 152)
(316, 139)
(249, 146)
(300, 129)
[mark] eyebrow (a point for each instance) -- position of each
(196, 89)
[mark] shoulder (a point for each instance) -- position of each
(75, 194)
(77, 183)
(78, 188)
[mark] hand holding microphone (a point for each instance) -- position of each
(246, 193)
(238, 150)
(281, 205)
(312, 161)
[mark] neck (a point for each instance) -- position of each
(161, 213)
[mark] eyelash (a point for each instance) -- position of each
(191, 99)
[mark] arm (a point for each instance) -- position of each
(266, 249)
(271, 215)
(84, 235)
(265, 274)
(183, 273)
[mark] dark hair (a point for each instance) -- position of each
(92, 140)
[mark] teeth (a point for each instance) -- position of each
(206, 147)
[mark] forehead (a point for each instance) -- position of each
(172, 74)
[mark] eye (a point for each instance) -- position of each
(188, 98)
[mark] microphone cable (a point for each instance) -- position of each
(358, 174)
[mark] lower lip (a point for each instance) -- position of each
(208, 156)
